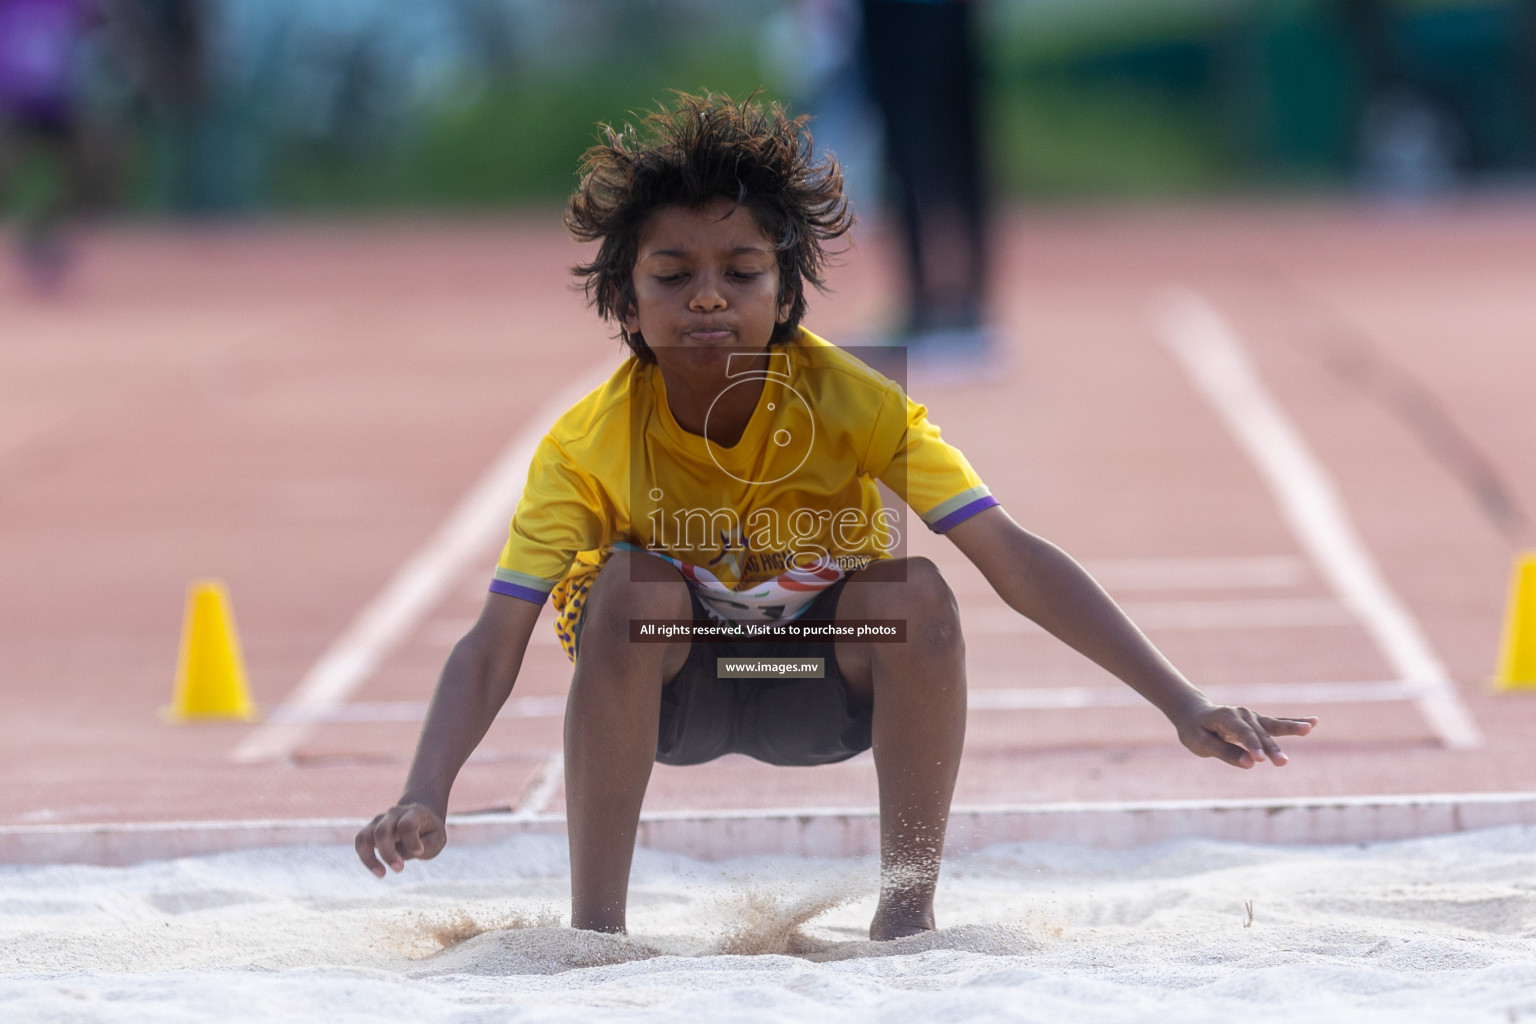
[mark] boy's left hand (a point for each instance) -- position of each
(1238, 736)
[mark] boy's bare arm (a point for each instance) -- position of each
(1043, 583)
(474, 685)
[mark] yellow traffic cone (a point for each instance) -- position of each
(210, 674)
(1517, 651)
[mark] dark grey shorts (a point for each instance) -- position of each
(780, 721)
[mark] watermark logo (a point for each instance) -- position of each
(744, 373)
(760, 527)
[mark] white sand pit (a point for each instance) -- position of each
(1432, 930)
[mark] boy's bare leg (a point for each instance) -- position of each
(918, 691)
(611, 721)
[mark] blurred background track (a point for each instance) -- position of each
(296, 410)
(314, 289)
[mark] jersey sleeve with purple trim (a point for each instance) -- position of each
(931, 475)
(560, 515)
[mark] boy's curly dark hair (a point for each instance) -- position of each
(704, 148)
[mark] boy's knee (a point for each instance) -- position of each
(919, 595)
(631, 585)
(919, 587)
(933, 617)
(926, 584)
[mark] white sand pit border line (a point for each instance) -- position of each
(833, 832)
(1212, 355)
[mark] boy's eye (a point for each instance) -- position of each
(670, 278)
(746, 275)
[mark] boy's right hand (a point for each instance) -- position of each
(403, 832)
(1236, 735)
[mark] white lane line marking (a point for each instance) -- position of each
(447, 632)
(982, 698)
(537, 795)
(371, 712)
(1026, 698)
(993, 620)
(1211, 353)
(1256, 571)
(418, 586)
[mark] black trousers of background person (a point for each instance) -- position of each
(922, 66)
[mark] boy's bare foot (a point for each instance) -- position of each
(885, 931)
(896, 918)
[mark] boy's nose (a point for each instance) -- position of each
(706, 296)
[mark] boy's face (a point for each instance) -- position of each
(706, 284)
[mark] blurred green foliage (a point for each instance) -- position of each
(34, 186)
(1110, 106)
(1085, 99)
(1063, 140)
(517, 138)
(513, 139)
(1101, 99)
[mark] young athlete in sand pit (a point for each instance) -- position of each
(726, 474)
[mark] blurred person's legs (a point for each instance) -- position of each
(198, 161)
(1409, 142)
(41, 44)
(28, 142)
(73, 168)
(923, 74)
(1525, 47)
(816, 47)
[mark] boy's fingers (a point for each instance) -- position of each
(1208, 742)
(408, 833)
(434, 836)
(1283, 727)
(1258, 724)
(1234, 727)
(1242, 737)
(364, 846)
(398, 835)
(384, 834)
(1232, 754)
(1287, 726)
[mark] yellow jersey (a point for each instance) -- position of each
(758, 528)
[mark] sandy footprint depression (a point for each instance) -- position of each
(1429, 930)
